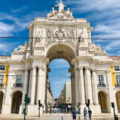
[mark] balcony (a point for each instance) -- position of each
(18, 85)
(102, 85)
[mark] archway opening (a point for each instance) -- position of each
(59, 79)
(59, 86)
(118, 101)
(103, 101)
(1, 101)
(16, 102)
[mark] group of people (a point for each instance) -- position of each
(85, 112)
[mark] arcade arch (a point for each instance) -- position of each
(102, 96)
(16, 102)
(118, 101)
(1, 100)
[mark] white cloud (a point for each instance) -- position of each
(91, 5)
(19, 9)
(6, 47)
(113, 45)
(6, 29)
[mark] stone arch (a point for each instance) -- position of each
(60, 51)
(118, 101)
(102, 97)
(67, 53)
(1, 100)
(16, 102)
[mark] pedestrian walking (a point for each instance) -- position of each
(90, 113)
(74, 112)
(85, 113)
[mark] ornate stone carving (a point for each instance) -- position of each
(39, 32)
(60, 34)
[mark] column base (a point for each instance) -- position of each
(22, 106)
(95, 109)
(33, 110)
(6, 109)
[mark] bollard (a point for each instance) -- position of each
(62, 118)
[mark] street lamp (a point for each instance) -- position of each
(113, 106)
(27, 101)
(39, 105)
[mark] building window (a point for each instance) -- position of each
(18, 79)
(117, 68)
(101, 79)
(2, 67)
(117, 80)
(1, 79)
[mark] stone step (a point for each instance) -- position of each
(55, 117)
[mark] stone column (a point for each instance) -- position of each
(81, 87)
(72, 86)
(39, 90)
(25, 85)
(88, 85)
(43, 84)
(94, 84)
(25, 82)
(33, 85)
(76, 87)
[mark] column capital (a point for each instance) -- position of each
(81, 67)
(94, 70)
(33, 67)
(88, 68)
(39, 67)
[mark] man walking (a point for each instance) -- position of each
(74, 112)
(85, 113)
(90, 113)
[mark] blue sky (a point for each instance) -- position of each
(103, 15)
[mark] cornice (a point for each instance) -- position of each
(19, 53)
(61, 23)
(41, 58)
(16, 62)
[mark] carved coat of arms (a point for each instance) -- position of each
(60, 34)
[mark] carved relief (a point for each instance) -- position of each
(60, 34)
(39, 32)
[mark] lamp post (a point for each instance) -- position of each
(39, 105)
(113, 106)
(27, 101)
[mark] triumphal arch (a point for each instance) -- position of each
(59, 35)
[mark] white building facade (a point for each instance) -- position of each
(94, 74)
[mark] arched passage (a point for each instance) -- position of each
(103, 101)
(118, 101)
(64, 53)
(16, 101)
(1, 100)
